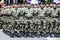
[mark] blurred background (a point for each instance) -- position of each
(28, 1)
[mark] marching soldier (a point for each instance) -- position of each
(42, 11)
(29, 13)
(48, 11)
(54, 11)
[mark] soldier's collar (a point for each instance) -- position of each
(54, 8)
(28, 8)
(41, 8)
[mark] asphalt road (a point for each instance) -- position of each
(3, 36)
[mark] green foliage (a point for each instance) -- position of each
(24, 1)
(48, 1)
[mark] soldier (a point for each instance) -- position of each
(58, 9)
(48, 11)
(39, 11)
(14, 10)
(29, 12)
(8, 11)
(54, 11)
(22, 10)
(42, 11)
(3, 11)
(35, 11)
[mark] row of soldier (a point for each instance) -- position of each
(24, 20)
(30, 10)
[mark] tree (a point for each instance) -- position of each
(48, 1)
(24, 1)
